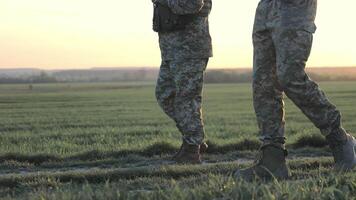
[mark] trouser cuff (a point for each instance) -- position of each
(332, 130)
(337, 136)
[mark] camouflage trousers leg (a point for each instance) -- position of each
(293, 47)
(179, 94)
(280, 56)
(267, 93)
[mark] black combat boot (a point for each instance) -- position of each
(270, 163)
(190, 154)
(343, 147)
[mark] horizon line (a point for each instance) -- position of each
(141, 67)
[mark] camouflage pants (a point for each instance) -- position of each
(179, 94)
(282, 37)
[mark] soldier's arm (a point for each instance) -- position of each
(184, 7)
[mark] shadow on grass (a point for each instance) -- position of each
(244, 145)
(157, 149)
(33, 159)
(317, 141)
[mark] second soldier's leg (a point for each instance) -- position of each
(269, 107)
(268, 103)
(293, 49)
(189, 75)
(292, 53)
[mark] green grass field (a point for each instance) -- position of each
(112, 141)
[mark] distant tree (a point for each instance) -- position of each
(44, 78)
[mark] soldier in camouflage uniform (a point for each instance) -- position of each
(282, 38)
(185, 54)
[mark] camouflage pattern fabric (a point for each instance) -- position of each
(184, 7)
(179, 94)
(193, 42)
(282, 37)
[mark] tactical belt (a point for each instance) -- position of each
(164, 20)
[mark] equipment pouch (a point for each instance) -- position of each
(164, 20)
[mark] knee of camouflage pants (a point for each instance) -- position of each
(166, 89)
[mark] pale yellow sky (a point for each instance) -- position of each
(54, 34)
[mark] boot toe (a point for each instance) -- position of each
(350, 155)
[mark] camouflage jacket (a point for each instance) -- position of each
(296, 14)
(195, 40)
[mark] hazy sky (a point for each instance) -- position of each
(108, 33)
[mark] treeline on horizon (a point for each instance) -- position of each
(147, 75)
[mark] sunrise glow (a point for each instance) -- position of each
(53, 34)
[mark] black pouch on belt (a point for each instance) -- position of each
(164, 20)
